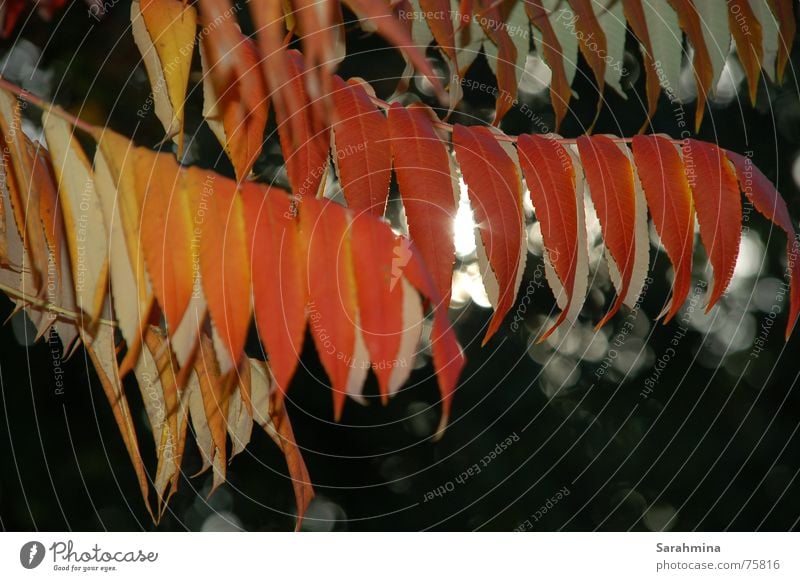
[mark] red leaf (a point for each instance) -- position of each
(609, 176)
(767, 200)
(784, 14)
(305, 148)
(495, 191)
(719, 209)
(441, 27)
(280, 288)
(379, 14)
(378, 267)
(332, 302)
(421, 164)
(560, 91)
(506, 58)
(669, 197)
(362, 153)
(448, 358)
(550, 177)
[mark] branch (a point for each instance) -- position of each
(443, 125)
(48, 306)
(45, 106)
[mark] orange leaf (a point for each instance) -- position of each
(166, 229)
(220, 238)
(550, 177)
(592, 43)
(719, 209)
(332, 303)
(506, 58)
(669, 197)
(702, 68)
(245, 108)
(18, 157)
(609, 176)
(215, 405)
(495, 191)
(746, 31)
(305, 149)
(767, 200)
(634, 13)
(441, 27)
(784, 14)
(284, 438)
(560, 91)
(378, 268)
(280, 288)
(361, 153)
(232, 64)
(421, 164)
(270, 31)
(319, 23)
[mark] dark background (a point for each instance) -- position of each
(713, 447)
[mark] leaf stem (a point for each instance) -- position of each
(36, 101)
(43, 304)
(445, 126)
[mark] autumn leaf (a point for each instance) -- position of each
(746, 31)
(610, 178)
(87, 238)
(495, 192)
(238, 113)
(332, 302)
(279, 273)
(560, 91)
(304, 144)
(427, 188)
(361, 148)
(103, 354)
(719, 209)
(219, 236)
(767, 200)
(558, 202)
(19, 158)
(164, 32)
(660, 168)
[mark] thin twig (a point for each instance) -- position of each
(45, 106)
(443, 125)
(48, 306)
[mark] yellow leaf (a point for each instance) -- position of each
(83, 216)
(164, 31)
(102, 352)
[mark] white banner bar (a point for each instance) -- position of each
(399, 556)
